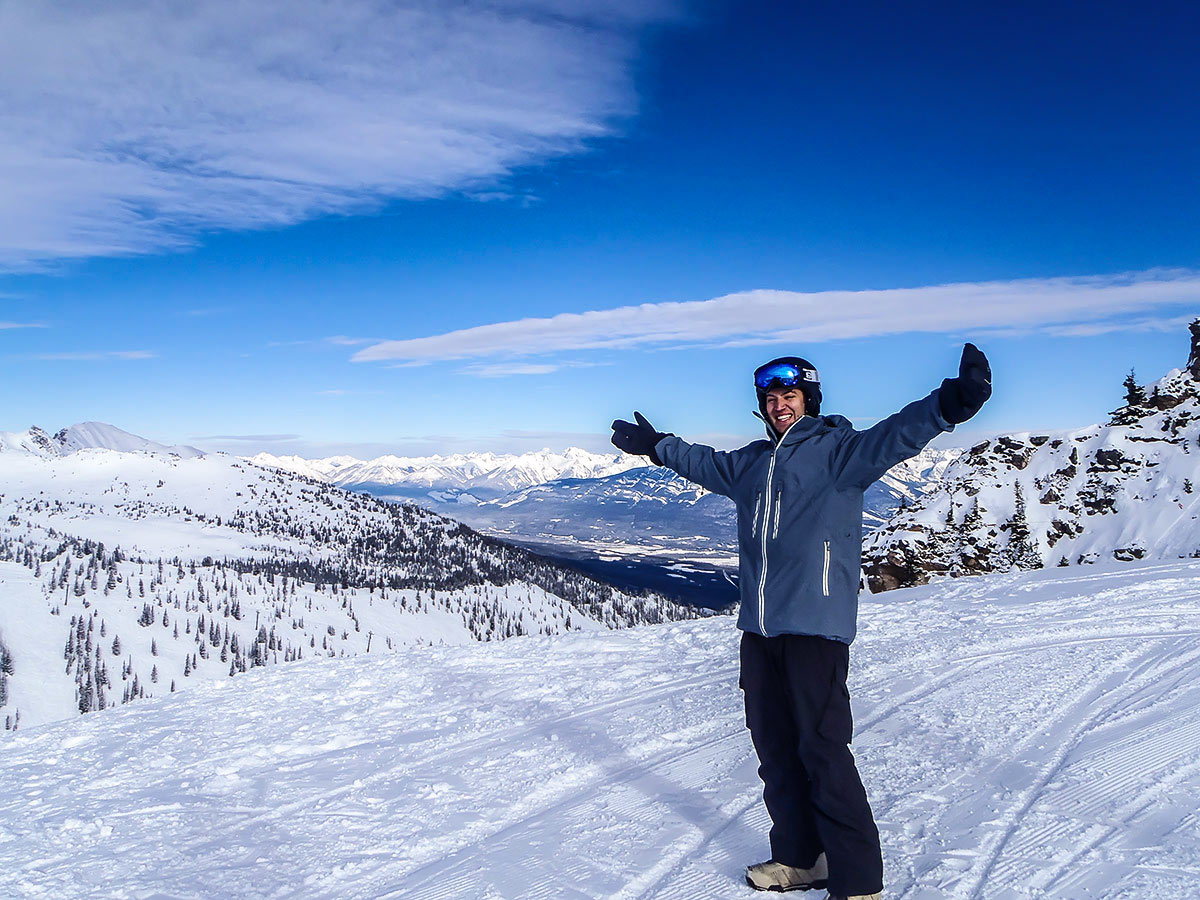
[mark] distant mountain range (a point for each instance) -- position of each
(583, 503)
(460, 477)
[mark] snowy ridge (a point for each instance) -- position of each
(129, 574)
(1034, 734)
(87, 435)
(1123, 490)
(484, 474)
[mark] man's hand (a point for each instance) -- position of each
(962, 397)
(638, 439)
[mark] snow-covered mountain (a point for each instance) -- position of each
(465, 477)
(1033, 734)
(87, 435)
(136, 571)
(1125, 489)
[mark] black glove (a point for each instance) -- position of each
(637, 439)
(962, 397)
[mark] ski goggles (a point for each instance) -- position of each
(783, 375)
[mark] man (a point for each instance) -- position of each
(799, 499)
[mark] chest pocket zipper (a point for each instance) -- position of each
(825, 572)
(778, 504)
(757, 509)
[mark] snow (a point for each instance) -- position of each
(1029, 734)
(87, 435)
(489, 473)
(23, 629)
(188, 530)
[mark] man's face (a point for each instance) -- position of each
(784, 407)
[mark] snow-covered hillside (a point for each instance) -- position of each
(131, 573)
(1025, 735)
(1124, 490)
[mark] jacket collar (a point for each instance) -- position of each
(799, 429)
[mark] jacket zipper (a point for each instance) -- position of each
(825, 572)
(778, 504)
(757, 509)
(762, 579)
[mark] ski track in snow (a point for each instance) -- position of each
(1031, 735)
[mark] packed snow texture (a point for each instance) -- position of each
(1021, 735)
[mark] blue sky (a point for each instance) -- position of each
(431, 227)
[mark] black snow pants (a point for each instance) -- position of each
(798, 713)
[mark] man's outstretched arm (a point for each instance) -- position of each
(713, 470)
(866, 455)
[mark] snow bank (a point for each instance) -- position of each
(1022, 735)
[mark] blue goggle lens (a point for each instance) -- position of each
(782, 374)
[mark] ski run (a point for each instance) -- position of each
(1021, 735)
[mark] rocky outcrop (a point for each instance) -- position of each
(1122, 490)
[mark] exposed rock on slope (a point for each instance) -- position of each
(1123, 490)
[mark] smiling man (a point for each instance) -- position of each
(799, 498)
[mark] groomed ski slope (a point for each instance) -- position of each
(1025, 735)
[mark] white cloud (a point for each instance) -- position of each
(130, 126)
(505, 369)
(8, 325)
(1092, 329)
(94, 356)
(778, 317)
(252, 438)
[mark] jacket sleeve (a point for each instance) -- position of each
(713, 470)
(865, 455)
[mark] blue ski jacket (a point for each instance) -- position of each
(799, 501)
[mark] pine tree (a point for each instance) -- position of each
(1022, 548)
(1135, 394)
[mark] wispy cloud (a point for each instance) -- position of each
(777, 317)
(7, 325)
(94, 355)
(506, 369)
(503, 370)
(1092, 329)
(128, 127)
(341, 340)
(251, 438)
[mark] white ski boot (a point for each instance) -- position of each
(773, 876)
